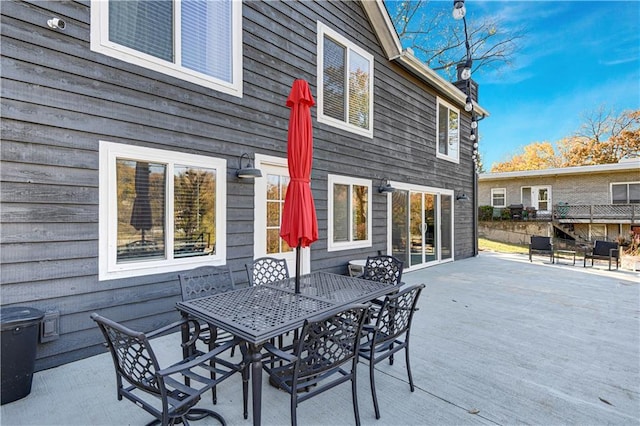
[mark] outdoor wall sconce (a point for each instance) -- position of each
(247, 172)
(385, 187)
(462, 197)
(57, 24)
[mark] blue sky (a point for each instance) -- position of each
(576, 57)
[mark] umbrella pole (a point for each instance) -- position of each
(298, 267)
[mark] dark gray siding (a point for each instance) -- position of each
(59, 99)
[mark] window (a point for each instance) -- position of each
(448, 132)
(160, 211)
(195, 40)
(498, 197)
(277, 185)
(345, 83)
(349, 213)
(625, 193)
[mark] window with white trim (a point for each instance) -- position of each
(349, 213)
(198, 41)
(625, 193)
(498, 197)
(345, 83)
(447, 131)
(160, 211)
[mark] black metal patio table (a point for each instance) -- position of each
(259, 313)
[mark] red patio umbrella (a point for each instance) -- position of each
(299, 227)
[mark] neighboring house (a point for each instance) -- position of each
(585, 203)
(122, 137)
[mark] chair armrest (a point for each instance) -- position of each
(200, 359)
(271, 348)
(614, 252)
(176, 324)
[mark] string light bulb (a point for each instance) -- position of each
(458, 9)
(468, 106)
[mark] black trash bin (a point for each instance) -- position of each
(19, 328)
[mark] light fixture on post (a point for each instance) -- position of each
(458, 9)
(247, 172)
(385, 187)
(462, 197)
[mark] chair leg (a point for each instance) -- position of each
(354, 392)
(406, 355)
(373, 387)
(201, 413)
(294, 405)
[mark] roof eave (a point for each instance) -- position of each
(390, 42)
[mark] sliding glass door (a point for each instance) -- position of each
(421, 226)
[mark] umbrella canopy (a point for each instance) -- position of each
(141, 218)
(299, 227)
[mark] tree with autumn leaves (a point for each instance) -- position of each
(603, 138)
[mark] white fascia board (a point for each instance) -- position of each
(629, 165)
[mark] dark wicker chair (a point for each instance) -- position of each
(541, 245)
(265, 270)
(390, 334)
(206, 281)
(139, 376)
(603, 250)
(325, 356)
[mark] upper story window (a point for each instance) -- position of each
(195, 40)
(160, 211)
(498, 197)
(448, 131)
(349, 213)
(345, 83)
(625, 193)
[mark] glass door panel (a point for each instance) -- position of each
(430, 227)
(446, 215)
(400, 225)
(416, 241)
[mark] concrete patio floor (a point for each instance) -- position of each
(497, 340)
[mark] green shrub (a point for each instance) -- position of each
(485, 213)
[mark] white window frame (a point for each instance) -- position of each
(322, 118)
(456, 158)
(108, 217)
(100, 43)
(351, 244)
(503, 191)
(621, 183)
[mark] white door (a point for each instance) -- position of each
(541, 198)
(270, 191)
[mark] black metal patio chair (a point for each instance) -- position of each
(383, 269)
(265, 270)
(390, 334)
(206, 281)
(162, 392)
(325, 355)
